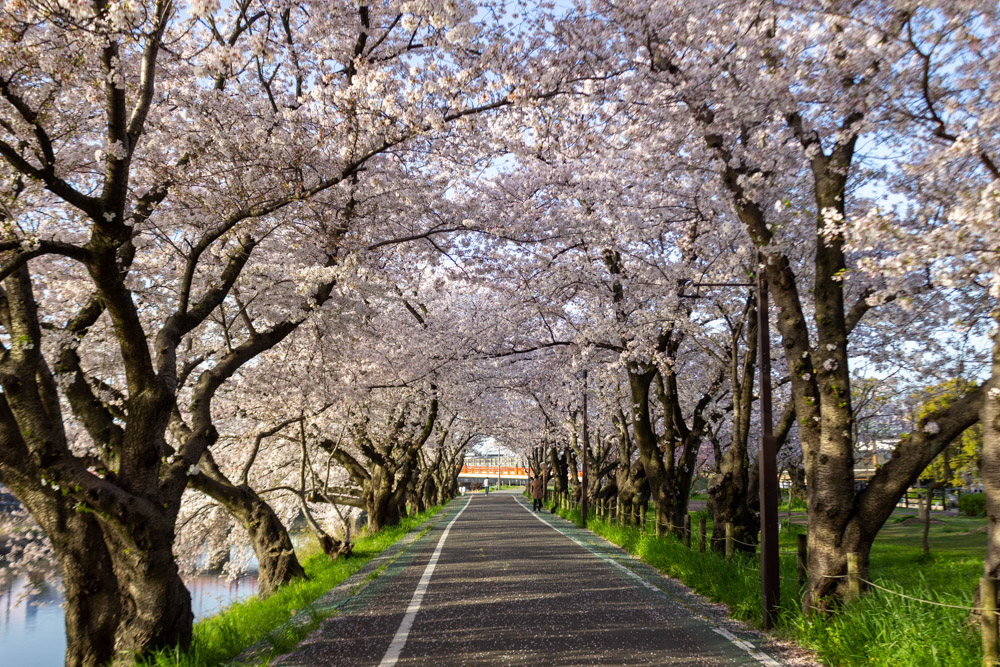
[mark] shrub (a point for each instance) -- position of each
(972, 504)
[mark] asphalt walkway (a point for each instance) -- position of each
(495, 584)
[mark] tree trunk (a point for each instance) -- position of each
(731, 487)
(381, 504)
(573, 475)
(124, 594)
(989, 465)
(931, 488)
(873, 506)
(560, 473)
(683, 477)
(429, 491)
(155, 604)
(728, 490)
(924, 504)
(268, 536)
(91, 610)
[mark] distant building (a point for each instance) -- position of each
(477, 467)
(868, 458)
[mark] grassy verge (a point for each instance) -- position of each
(878, 629)
(220, 638)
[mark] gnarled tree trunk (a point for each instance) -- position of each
(269, 538)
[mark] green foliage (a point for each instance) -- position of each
(798, 502)
(880, 628)
(963, 453)
(220, 638)
(972, 504)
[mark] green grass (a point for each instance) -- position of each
(220, 638)
(878, 629)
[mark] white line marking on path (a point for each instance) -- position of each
(399, 640)
(760, 656)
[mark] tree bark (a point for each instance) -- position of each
(155, 603)
(989, 465)
(269, 538)
(560, 470)
(91, 608)
(730, 487)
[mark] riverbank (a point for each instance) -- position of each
(265, 624)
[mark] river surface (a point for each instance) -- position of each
(32, 632)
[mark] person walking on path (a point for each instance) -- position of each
(537, 493)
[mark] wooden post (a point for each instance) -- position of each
(802, 558)
(701, 534)
(658, 519)
(670, 526)
(988, 601)
(642, 519)
(853, 579)
(730, 544)
(585, 448)
(770, 580)
(687, 530)
(618, 511)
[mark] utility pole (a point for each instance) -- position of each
(586, 439)
(768, 480)
(768, 468)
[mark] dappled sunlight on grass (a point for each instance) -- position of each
(222, 637)
(878, 629)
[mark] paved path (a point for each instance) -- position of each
(510, 587)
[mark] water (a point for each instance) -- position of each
(32, 633)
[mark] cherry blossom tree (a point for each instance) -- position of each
(213, 136)
(747, 80)
(946, 227)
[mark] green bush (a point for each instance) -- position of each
(972, 504)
